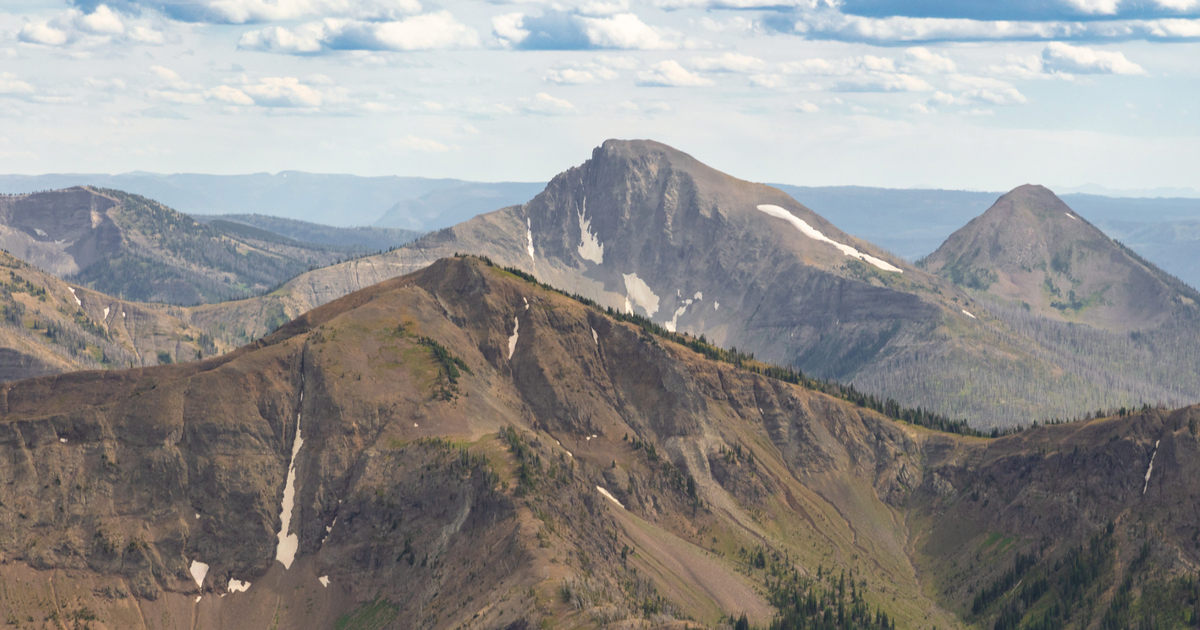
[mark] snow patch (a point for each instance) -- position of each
(78, 302)
(698, 296)
(1071, 215)
(198, 571)
(590, 247)
(595, 338)
(716, 306)
(968, 314)
(675, 318)
(1151, 467)
(638, 291)
(105, 312)
(238, 586)
(324, 580)
(197, 516)
(197, 599)
(122, 314)
(512, 341)
(628, 306)
(40, 232)
(529, 239)
(63, 440)
(816, 235)
(285, 551)
(610, 497)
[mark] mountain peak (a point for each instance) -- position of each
(1032, 250)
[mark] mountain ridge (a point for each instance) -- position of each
(572, 470)
(646, 228)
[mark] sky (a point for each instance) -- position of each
(961, 94)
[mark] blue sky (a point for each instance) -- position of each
(968, 94)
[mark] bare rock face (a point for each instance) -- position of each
(1030, 248)
(461, 446)
(646, 229)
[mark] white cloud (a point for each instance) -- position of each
(1068, 58)
(729, 62)
(282, 92)
(244, 11)
(430, 31)
(547, 105)
(921, 108)
(226, 94)
(1096, 7)
(74, 27)
(670, 74)
(569, 76)
(165, 73)
(885, 82)
(508, 27)
(807, 107)
(626, 31)
(10, 84)
(104, 85)
(423, 145)
(923, 60)
(769, 81)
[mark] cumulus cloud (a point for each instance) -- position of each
(10, 84)
(769, 81)
(545, 105)
(559, 30)
(101, 26)
(1025, 10)
(670, 74)
(896, 82)
(831, 24)
(807, 107)
(729, 62)
(1068, 58)
(258, 11)
(430, 31)
(580, 73)
(923, 60)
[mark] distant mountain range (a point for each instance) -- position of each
(348, 239)
(910, 223)
(463, 448)
(337, 200)
(646, 229)
(137, 249)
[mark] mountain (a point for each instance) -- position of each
(912, 223)
(447, 206)
(138, 249)
(1034, 251)
(327, 199)
(339, 200)
(645, 228)
(51, 327)
(461, 447)
(347, 239)
(909, 223)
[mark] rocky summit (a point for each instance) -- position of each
(1030, 249)
(647, 229)
(462, 447)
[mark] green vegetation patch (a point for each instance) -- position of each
(372, 616)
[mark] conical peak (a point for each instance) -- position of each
(1034, 199)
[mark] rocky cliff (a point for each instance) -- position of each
(461, 447)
